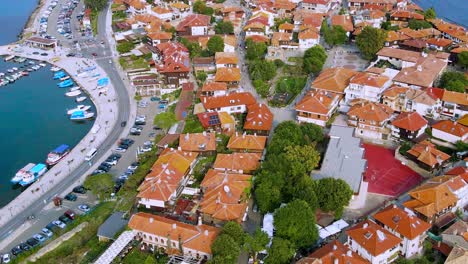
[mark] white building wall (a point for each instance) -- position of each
(148, 203)
(197, 31)
(311, 120)
(229, 48)
(308, 43)
(446, 136)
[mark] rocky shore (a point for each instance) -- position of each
(29, 26)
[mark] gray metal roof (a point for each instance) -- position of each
(344, 158)
(112, 225)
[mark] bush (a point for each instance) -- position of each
(262, 88)
(125, 47)
(279, 63)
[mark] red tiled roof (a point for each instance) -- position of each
(331, 253)
(411, 121)
(451, 127)
(232, 99)
(194, 20)
(259, 117)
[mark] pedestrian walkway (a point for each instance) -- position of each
(106, 108)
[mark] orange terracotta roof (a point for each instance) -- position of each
(227, 75)
(197, 238)
(454, 182)
(451, 127)
(259, 38)
(411, 121)
(373, 238)
(247, 142)
(286, 26)
(455, 97)
(193, 20)
(180, 5)
(396, 36)
(331, 253)
(224, 196)
(406, 14)
(363, 78)
(160, 35)
(231, 99)
(214, 86)
(344, 21)
(280, 37)
(311, 19)
(238, 161)
(394, 91)
(459, 50)
(137, 4)
(370, 111)
(333, 79)
(308, 33)
(424, 73)
(225, 118)
(430, 199)
(229, 40)
(462, 171)
(229, 9)
(320, 102)
(197, 142)
(161, 10)
(226, 58)
(259, 117)
(427, 153)
(402, 222)
(440, 42)
(284, 4)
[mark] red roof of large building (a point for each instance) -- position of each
(232, 99)
(194, 20)
(175, 57)
(411, 121)
(259, 117)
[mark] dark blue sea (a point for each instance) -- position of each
(452, 10)
(32, 110)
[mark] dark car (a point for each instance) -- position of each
(35, 53)
(104, 168)
(71, 197)
(25, 247)
(64, 219)
(70, 214)
(106, 165)
(135, 133)
(96, 172)
(71, 55)
(16, 250)
(123, 124)
(140, 123)
(156, 128)
(127, 141)
(79, 189)
(115, 156)
(44, 54)
(94, 54)
(32, 242)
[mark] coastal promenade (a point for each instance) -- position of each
(105, 131)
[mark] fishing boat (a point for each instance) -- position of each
(31, 62)
(30, 70)
(7, 58)
(42, 64)
(22, 173)
(2, 74)
(55, 69)
(74, 93)
(34, 173)
(81, 99)
(9, 79)
(36, 67)
(10, 70)
(78, 108)
(59, 75)
(65, 78)
(3, 82)
(57, 154)
(16, 76)
(66, 83)
(81, 115)
(74, 88)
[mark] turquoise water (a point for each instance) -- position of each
(452, 10)
(13, 18)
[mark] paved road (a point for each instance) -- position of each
(123, 115)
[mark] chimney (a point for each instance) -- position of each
(200, 222)
(179, 148)
(349, 253)
(321, 99)
(419, 68)
(365, 225)
(336, 261)
(206, 232)
(204, 100)
(151, 220)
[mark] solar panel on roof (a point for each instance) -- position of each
(214, 120)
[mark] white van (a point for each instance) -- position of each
(91, 154)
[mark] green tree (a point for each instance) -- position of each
(370, 41)
(262, 70)
(96, 5)
(287, 133)
(463, 59)
(453, 81)
(304, 189)
(280, 252)
(225, 250)
(461, 146)
(312, 132)
(165, 120)
(255, 50)
(125, 47)
(201, 76)
(150, 260)
(418, 24)
(224, 27)
(335, 36)
(313, 60)
(101, 185)
(215, 44)
(302, 159)
(256, 243)
(235, 231)
(296, 222)
(387, 25)
(268, 196)
(333, 195)
(201, 8)
(261, 87)
(194, 48)
(430, 13)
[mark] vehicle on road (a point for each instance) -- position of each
(47, 232)
(79, 189)
(119, 149)
(71, 197)
(155, 99)
(44, 54)
(123, 124)
(32, 242)
(156, 128)
(91, 153)
(59, 224)
(84, 208)
(94, 54)
(6, 258)
(39, 237)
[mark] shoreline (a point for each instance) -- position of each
(30, 22)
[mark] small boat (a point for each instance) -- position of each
(20, 59)
(81, 115)
(81, 99)
(57, 154)
(31, 62)
(34, 173)
(14, 69)
(7, 58)
(10, 70)
(75, 88)
(42, 64)
(30, 70)
(74, 93)
(55, 69)
(16, 76)
(3, 82)
(65, 78)
(22, 173)
(66, 83)
(2, 74)
(59, 75)
(25, 73)
(36, 67)
(9, 78)
(79, 108)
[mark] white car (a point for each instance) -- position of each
(120, 150)
(6, 258)
(47, 232)
(59, 224)
(84, 207)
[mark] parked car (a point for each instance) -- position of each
(120, 149)
(84, 208)
(155, 99)
(156, 128)
(32, 242)
(127, 141)
(96, 172)
(79, 189)
(71, 197)
(133, 166)
(6, 258)
(70, 214)
(39, 237)
(16, 250)
(25, 247)
(64, 219)
(47, 232)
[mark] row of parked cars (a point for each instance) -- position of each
(112, 160)
(44, 19)
(137, 128)
(64, 19)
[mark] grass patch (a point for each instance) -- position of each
(133, 63)
(172, 96)
(192, 125)
(94, 21)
